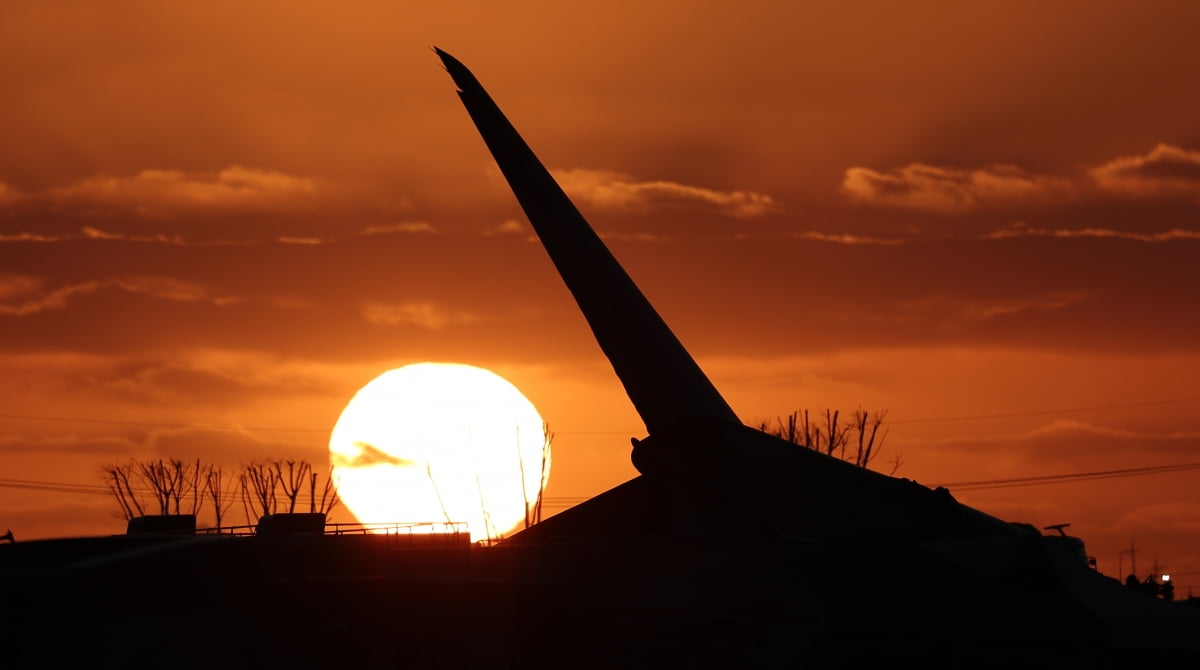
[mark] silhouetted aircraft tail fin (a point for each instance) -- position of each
(661, 378)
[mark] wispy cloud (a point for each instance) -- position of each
(509, 227)
(35, 237)
(403, 227)
(980, 309)
(1166, 170)
(425, 314)
(605, 188)
(1020, 229)
(944, 189)
(513, 228)
(166, 288)
(844, 238)
(632, 237)
(24, 295)
(90, 233)
(160, 191)
(305, 241)
(48, 300)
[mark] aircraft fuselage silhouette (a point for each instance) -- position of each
(896, 570)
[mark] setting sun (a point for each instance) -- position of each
(440, 442)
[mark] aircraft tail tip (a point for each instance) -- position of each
(458, 72)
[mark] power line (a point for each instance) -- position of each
(227, 496)
(58, 488)
(567, 501)
(1045, 412)
(1070, 477)
(278, 429)
(160, 424)
(1016, 482)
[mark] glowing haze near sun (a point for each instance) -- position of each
(440, 442)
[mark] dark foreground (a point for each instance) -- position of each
(401, 601)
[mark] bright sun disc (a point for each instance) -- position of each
(440, 442)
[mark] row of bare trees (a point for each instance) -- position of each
(261, 482)
(858, 441)
(174, 486)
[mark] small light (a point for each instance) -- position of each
(1166, 578)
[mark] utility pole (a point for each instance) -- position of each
(1132, 552)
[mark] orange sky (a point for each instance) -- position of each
(226, 215)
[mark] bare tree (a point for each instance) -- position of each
(329, 495)
(118, 477)
(258, 484)
(291, 478)
(533, 509)
(262, 483)
(294, 476)
(159, 477)
(216, 486)
(800, 429)
(173, 486)
(866, 425)
(162, 486)
(194, 483)
(833, 437)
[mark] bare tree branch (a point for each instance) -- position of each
(216, 487)
(259, 482)
(834, 437)
(116, 477)
(292, 481)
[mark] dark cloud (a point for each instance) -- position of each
(1069, 441)
(217, 445)
(180, 384)
(232, 447)
(101, 447)
(366, 456)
